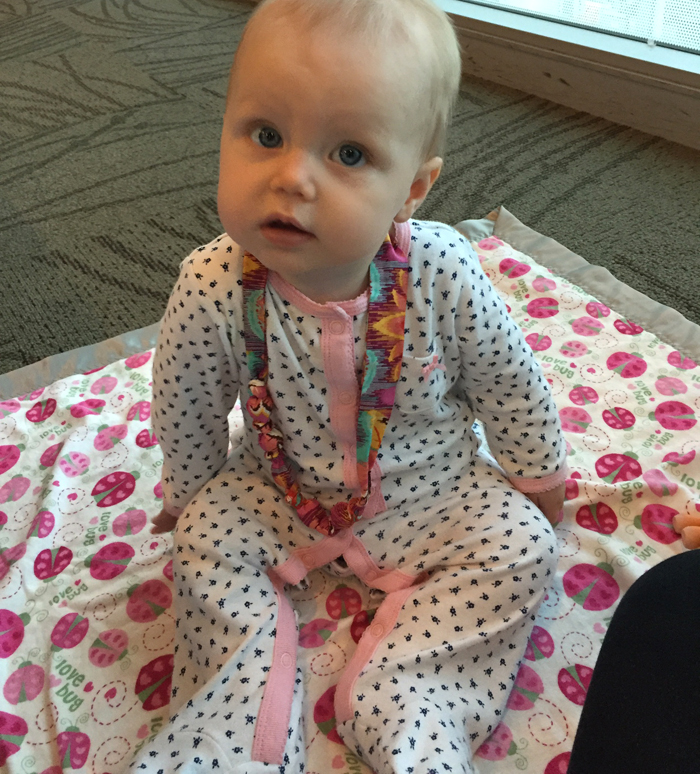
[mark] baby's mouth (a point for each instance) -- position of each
(285, 225)
(285, 232)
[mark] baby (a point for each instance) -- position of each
(363, 344)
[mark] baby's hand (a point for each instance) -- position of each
(688, 526)
(550, 502)
(163, 522)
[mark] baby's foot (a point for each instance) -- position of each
(689, 527)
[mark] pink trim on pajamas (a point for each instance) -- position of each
(294, 570)
(307, 305)
(383, 622)
(338, 347)
(365, 568)
(276, 707)
(402, 235)
(536, 485)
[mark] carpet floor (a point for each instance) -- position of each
(110, 114)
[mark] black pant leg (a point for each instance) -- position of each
(642, 711)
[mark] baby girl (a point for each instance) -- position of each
(363, 344)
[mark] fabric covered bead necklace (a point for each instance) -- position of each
(386, 314)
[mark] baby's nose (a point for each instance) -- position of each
(295, 175)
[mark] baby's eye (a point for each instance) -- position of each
(267, 137)
(350, 156)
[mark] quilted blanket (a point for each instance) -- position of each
(86, 624)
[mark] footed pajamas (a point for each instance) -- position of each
(461, 554)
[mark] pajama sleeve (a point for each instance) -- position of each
(506, 387)
(195, 376)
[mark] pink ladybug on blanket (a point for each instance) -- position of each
(315, 633)
(10, 556)
(110, 646)
(559, 764)
(41, 411)
(25, 683)
(619, 418)
(512, 268)
(87, 408)
(104, 385)
(542, 308)
(587, 326)
(50, 455)
(154, 681)
(598, 517)
(148, 600)
(324, 715)
(140, 411)
(136, 361)
(8, 407)
(527, 689)
(74, 464)
(539, 645)
(51, 562)
(674, 415)
(657, 522)
(113, 488)
(581, 395)
(69, 632)
(14, 489)
(108, 437)
(500, 745)
(538, 341)
(13, 729)
(677, 360)
(543, 284)
(11, 631)
(110, 561)
(73, 747)
(9, 456)
(627, 327)
(42, 525)
(629, 365)
(574, 420)
(574, 681)
(591, 586)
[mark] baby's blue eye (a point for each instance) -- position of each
(267, 137)
(350, 155)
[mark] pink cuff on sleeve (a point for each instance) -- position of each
(534, 485)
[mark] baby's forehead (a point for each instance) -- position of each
(396, 62)
(398, 27)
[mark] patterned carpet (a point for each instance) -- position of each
(110, 112)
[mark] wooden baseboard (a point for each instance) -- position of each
(653, 98)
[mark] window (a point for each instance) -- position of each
(671, 23)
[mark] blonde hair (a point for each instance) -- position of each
(419, 24)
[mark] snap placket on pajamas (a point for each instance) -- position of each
(275, 711)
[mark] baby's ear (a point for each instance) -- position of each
(420, 187)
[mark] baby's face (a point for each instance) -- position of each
(320, 147)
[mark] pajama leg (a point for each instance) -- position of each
(227, 617)
(438, 683)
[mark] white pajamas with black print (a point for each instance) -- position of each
(463, 556)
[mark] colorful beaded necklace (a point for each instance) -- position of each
(386, 313)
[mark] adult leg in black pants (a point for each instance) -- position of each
(642, 711)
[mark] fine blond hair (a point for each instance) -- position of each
(418, 24)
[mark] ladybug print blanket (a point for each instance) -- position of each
(86, 627)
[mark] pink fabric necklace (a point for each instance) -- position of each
(381, 369)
